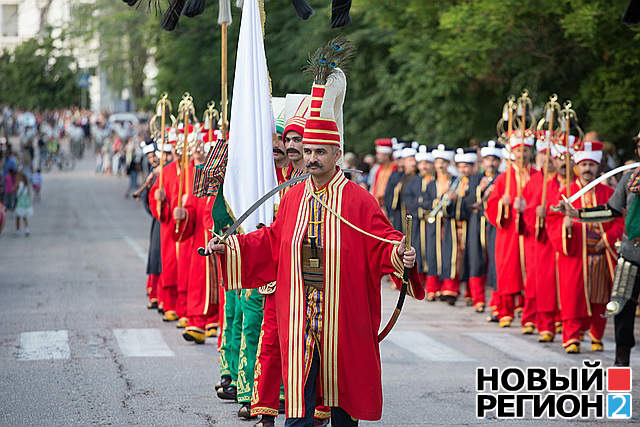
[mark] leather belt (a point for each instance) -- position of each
(312, 266)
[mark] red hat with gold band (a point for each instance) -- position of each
(321, 131)
(296, 124)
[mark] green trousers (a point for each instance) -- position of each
(251, 306)
(231, 336)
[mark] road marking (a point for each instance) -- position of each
(518, 348)
(142, 343)
(138, 250)
(44, 345)
(426, 347)
(142, 254)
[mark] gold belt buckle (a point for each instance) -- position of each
(314, 262)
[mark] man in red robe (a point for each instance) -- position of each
(184, 244)
(542, 264)
(384, 160)
(505, 209)
(328, 260)
(194, 223)
(587, 256)
(167, 291)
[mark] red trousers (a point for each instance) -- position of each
(529, 311)
(451, 287)
(572, 328)
(203, 322)
(268, 372)
(432, 285)
(184, 265)
(597, 323)
(506, 306)
(494, 303)
(545, 321)
(167, 296)
(152, 286)
(476, 287)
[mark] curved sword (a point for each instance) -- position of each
(229, 231)
(598, 180)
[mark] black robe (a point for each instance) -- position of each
(481, 240)
(392, 199)
(441, 235)
(154, 260)
(413, 196)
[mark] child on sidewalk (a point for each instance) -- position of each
(24, 208)
(36, 182)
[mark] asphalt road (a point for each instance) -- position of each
(78, 347)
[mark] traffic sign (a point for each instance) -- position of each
(83, 81)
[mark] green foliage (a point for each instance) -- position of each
(39, 75)
(432, 70)
(124, 38)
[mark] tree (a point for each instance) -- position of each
(39, 75)
(124, 38)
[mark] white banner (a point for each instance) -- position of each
(250, 170)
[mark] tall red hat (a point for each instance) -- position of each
(321, 131)
(296, 124)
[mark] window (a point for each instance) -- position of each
(9, 25)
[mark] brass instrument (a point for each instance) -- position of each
(443, 202)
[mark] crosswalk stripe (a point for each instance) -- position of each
(518, 348)
(426, 347)
(142, 343)
(44, 345)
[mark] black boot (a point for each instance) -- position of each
(225, 380)
(266, 421)
(245, 412)
(281, 406)
(229, 392)
(622, 355)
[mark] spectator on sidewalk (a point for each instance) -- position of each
(24, 209)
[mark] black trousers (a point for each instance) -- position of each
(624, 320)
(339, 417)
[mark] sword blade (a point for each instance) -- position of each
(598, 180)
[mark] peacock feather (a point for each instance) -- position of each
(335, 54)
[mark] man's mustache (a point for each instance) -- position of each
(293, 150)
(313, 165)
(278, 151)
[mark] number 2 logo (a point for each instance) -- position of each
(619, 406)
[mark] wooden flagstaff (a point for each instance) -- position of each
(549, 111)
(509, 105)
(185, 108)
(568, 114)
(162, 104)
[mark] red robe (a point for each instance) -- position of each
(202, 301)
(169, 276)
(572, 261)
(510, 265)
(184, 244)
(541, 265)
(350, 372)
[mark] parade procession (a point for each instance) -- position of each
(313, 240)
